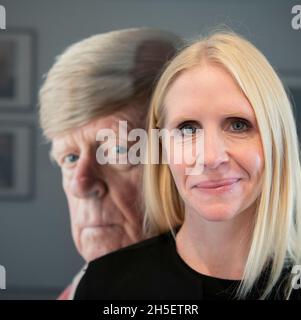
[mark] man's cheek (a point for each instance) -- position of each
(66, 180)
(67, 174)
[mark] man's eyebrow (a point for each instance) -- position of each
(130, 125)
(54, 152)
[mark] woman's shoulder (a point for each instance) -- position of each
(117, 271)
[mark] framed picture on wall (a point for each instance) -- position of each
(16, 160)
(16, 70)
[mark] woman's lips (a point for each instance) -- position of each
(217, 186)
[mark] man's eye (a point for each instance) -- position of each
(70, 158)
(240, 125)
(120, 149)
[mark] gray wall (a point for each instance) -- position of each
(35, 242)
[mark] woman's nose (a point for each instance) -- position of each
(215, 149)
(87, 180)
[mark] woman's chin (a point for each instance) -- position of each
(217, 214)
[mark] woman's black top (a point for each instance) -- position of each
(152, 269)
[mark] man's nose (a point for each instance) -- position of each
(215, 149)
(87, 180)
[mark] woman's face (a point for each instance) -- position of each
(206, 97)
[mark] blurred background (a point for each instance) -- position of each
(36, 247)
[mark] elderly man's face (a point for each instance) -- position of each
(103, 199)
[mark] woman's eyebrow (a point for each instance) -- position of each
(240, 114)
(179, 119)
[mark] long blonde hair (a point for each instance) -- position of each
(276, 235)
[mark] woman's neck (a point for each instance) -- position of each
(218, 249)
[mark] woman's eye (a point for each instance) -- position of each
(240, 125)
(70, 158)
(188, 129)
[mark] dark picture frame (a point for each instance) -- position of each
(16, 160)
(17, 54)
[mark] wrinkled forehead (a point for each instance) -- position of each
(126, 118)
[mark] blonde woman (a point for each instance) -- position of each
(232, 229)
